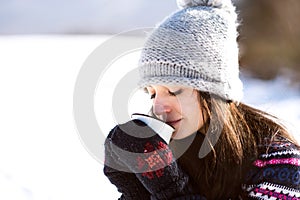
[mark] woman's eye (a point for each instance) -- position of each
(152, 96)
(175, 93)
(172, 93)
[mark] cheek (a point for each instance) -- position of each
(189, 107)
(195, 116)
(177, 106)
(194, 113)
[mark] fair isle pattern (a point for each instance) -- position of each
(267, 190)
(282, 153)
(276, 173)
(290, 161)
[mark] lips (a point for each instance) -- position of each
(173, 122)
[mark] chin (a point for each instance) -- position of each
(178, 136)
(174, 135)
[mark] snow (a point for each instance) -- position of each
(277, 97)
(77, 16)
(42, 155)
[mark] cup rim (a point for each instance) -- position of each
(152, 117)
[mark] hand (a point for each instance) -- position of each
(146, 154)
(119, 175)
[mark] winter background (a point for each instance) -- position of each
(43, 45)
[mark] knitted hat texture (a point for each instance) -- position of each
(195, 47)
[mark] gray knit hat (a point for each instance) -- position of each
(195, 46)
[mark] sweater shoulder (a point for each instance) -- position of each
(276, 171)
(277, 147)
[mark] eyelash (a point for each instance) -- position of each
(152, 96)
(171, 93)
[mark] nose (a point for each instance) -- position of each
(161, 107)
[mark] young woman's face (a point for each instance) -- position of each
(178, 106)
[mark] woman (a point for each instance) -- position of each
(221, 148)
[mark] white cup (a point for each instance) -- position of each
(160, 127)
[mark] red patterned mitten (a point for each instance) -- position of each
(126, 182)
(146, 154)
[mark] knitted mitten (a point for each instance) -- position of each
(125, 181)
(146, 154)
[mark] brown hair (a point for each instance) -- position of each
(242, 128)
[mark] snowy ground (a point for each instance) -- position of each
(41, 154)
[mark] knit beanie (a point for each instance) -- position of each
(195, 47)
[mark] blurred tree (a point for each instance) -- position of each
(270, 37)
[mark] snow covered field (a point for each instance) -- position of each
(41, 155)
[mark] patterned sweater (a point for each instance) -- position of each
(275, 174)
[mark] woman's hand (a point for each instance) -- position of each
(119, 175)
(147, 155)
